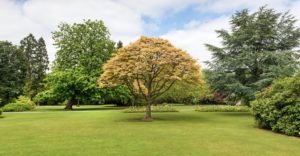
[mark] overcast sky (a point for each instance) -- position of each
(188, 24)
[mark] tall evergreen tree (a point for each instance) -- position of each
(258, 48)
(12, 72)
(40, 66)
(36, 62)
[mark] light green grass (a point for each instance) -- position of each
(106, 130)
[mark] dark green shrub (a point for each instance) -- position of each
(278, 106)
(1, 111)
(222, 109)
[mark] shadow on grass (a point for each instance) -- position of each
(235, 114)
(97, 109)
(80, 108)
(158, 117)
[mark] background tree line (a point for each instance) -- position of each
(22, 68)
(259, 48)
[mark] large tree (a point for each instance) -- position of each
(86, 45)
(36, 62)
(12, 72)
(258, 48)
(82, 50)
(149, 67)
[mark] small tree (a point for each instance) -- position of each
(149, 67)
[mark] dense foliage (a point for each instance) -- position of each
(257, 49)
(222, 109)
(118, 95)
(16, 107)
(48, 97)
(82, 50)
(21, 104)
(183, 92)
(12, 72)
(86, 45)
(36, 64)
(149, 67)
(278, 106)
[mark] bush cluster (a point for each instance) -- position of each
(278, 106)
(158, 108)
(1, 111)
(222, 108)
(21, 104)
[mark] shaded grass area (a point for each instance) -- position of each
(157, 108)
(105, 130)
(79, 108)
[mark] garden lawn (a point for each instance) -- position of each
(106, 130)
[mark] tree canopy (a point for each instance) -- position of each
(149, 67)
(12, 72)
(259, 47)
(82, 50)
(36, 64)
(86, 45)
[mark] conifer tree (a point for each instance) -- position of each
(36, 64)
(259, 47)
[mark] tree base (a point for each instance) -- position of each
(147, 119)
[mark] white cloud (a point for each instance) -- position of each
(221, 6)
(42, 17)
(157, 8)
(195, 34)
(124, 19)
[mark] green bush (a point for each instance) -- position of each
(25, 100)
(278, 106)
(1, 111)
(158, 108)
(23, 103)
(17, 107)
(222, 109)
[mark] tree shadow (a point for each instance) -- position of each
(81, 108)
(166, 117)
(235, 114)
(98, 109)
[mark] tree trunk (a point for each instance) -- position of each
(70, 104)
(148, 116)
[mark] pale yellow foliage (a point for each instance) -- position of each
(149, 67)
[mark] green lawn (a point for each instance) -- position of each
(106, 130)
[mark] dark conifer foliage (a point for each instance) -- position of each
(36, 62)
